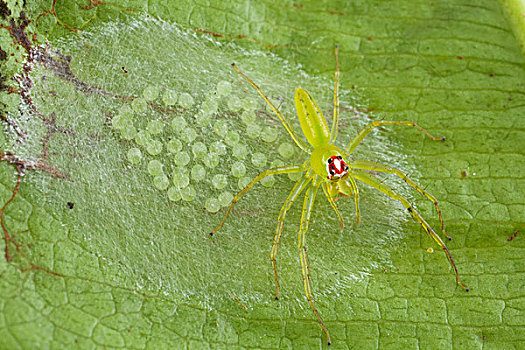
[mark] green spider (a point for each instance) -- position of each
(330, 167)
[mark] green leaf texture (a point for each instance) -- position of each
(136, 132)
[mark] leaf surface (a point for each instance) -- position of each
(144, 132)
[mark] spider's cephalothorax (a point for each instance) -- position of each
(336, 167)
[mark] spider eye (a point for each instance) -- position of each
(332, 172)
(339, 157)
(330, 160)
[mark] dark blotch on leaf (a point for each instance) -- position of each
(4, 10)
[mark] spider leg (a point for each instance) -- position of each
(302, 145)
(374, 182)
(308, 204)
(374, 166)
(273, 171)
(332, 203)
(353, 184)
(361, 135)
(335, 120)
(299, 186)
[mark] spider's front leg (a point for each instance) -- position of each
(345, 187)
(299, 186)
(375, 183)
(308, 204)
(328, 191)
(375, 166)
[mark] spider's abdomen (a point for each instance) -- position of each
(311, 118)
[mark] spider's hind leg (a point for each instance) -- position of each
(286, 123)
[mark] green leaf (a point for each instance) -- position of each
(135, 132)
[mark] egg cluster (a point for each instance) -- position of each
(177, 154)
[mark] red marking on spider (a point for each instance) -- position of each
(336, 167)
